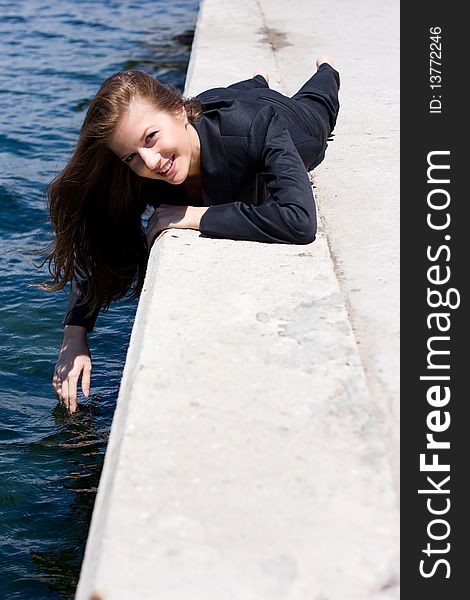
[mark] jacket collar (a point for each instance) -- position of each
(215, 170)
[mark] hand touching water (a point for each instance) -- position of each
(74, 360)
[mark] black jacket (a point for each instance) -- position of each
(256, 147)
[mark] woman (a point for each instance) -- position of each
(231, 163)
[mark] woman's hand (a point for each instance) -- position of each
(167, 215)
(74, 360)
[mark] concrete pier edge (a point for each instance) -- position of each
(247, 457)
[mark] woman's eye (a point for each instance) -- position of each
(151, 136)
(129, 159)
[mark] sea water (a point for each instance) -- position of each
(53, 57)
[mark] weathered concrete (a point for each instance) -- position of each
(358, 184)
(247, 457)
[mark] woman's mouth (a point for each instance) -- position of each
(168, 168)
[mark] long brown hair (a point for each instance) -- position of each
(94, 203)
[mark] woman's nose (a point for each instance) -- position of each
(151, 158)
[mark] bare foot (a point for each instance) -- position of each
(264, 74)
(325, 59)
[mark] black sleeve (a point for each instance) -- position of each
(152, 192)
(76, 310)
(289, 214)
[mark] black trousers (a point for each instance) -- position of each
(319, 95)
(311, 112)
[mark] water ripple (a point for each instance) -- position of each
(53, 57)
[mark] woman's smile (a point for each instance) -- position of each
(168, 169)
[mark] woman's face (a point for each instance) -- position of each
(157, 144)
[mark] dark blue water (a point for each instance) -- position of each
(53, 57)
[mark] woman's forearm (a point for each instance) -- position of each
(196, 215)
(167, 216)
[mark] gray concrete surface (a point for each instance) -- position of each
(358, 184)
(251, 449)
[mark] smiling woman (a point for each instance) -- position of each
(157, 144)
(231, 163)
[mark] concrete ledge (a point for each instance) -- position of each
(245, 459)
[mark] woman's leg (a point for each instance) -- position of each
(260, 79)
(319, 95)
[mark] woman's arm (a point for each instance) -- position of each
(179, 217)
(289, 215)
(74, 358)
